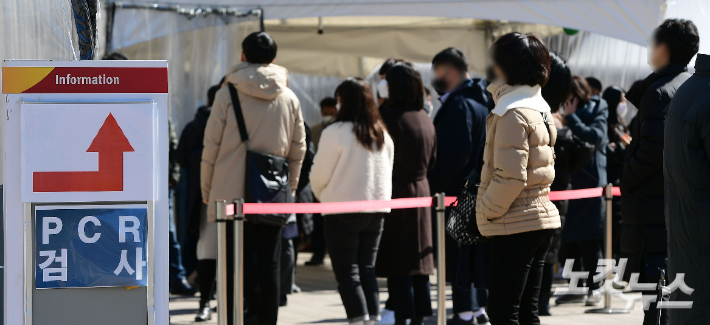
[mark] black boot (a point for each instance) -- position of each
(204, 313)
(544, 304)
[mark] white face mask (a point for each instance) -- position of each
(621, 109)
(328, 118)
(337, 106)
(382, 90)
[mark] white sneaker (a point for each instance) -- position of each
(386, 317)
(594, 298)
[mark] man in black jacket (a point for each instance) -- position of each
(686, 168)
(643, 231)
(189, 155)
(460, 127)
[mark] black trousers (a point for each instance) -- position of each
(516, 272)
(590, 252)
(317, 237)
(410, 296)
(206, 272)
(262, 254)
(353, 240)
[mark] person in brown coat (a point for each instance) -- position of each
(406, 254)
(513, 208)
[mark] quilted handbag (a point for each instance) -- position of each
(462, 226)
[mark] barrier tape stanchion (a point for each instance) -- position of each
(440, 259)
(238, 261)
(607, 309)
(221, 262)
(238, 209)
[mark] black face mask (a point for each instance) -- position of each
(440, 85)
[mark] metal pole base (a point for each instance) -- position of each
(607, 311)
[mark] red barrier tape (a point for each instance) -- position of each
(407, 203)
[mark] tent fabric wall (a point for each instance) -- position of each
(612, 61)
(136, 25)
(307, 51)
(631, 20)
(197, 60)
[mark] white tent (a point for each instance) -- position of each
(354, 35)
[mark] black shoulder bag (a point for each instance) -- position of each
(267, 176)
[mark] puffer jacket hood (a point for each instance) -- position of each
(264, 81)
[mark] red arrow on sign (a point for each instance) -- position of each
(110, 143)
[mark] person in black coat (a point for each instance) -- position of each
(615, 150)
(460, 126)
(643, 231)
(555, 92)
(189, 155)
(686, 169)
(584, 227)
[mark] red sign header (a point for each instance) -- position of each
(48, 80)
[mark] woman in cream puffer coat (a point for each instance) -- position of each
(513, 208)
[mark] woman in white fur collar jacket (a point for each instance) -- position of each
(354, 163)
(513, 207)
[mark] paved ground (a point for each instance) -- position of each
(319, 303)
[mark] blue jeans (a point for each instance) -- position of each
(177, 272)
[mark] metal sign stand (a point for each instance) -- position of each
(238, 257)
(440, 259)
(607, 309)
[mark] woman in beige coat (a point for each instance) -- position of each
(513, 207)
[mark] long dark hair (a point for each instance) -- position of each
(358, 106)
(612, 96)
(558, 86)
(406, 89)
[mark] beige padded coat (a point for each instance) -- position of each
(272, 114)
(518, 166)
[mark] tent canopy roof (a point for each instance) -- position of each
(631, 20)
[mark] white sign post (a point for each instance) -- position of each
(83, 140)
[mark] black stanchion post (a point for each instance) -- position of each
(440, 259)
(239, 261)
(608, 196)
(220, 217)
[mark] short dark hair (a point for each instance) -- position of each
(594, 83)
(389, 63)
(451, 56)
(259, 48)
(681, 38)
(524, 58)
(406, 89)
(581, 90)
(114, 56)
(211, 93)
(558, 86)
(328, 101)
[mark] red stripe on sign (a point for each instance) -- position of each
(102, 80)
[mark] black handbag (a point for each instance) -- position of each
(267, 176)
(462, 226)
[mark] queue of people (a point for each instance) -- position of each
(528, 128)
